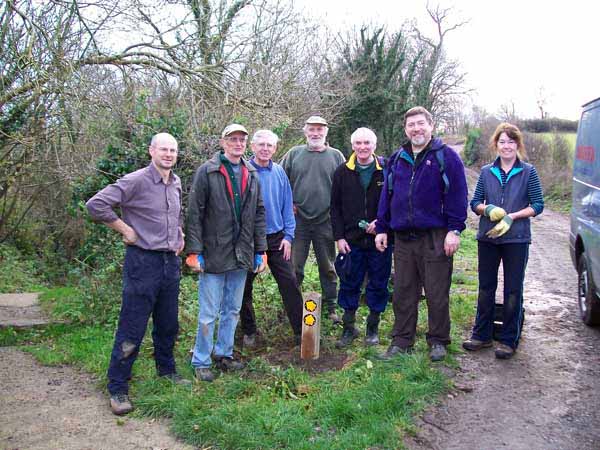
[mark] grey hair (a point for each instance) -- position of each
(265, 133)
(364, 130)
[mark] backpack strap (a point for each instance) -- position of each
(439, 155)
(388, 172)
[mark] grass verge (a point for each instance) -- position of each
(365, 404)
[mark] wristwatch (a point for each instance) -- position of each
(456, 232)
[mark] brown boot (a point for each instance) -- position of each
(120, 404)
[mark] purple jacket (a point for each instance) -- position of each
(413, 197)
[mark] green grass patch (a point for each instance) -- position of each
(365, 404)
(571, 139)
(18, 273)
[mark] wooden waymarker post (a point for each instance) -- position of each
(311, 326)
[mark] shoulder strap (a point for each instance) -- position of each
(388, 171)
(439, 155)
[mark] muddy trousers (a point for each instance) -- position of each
(514, 261)
(150, 288)
(283, 272)
(420, 262)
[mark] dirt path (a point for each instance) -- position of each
(547, 396)
(59, 407)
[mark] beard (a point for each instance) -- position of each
(418, 140)
(316, 143)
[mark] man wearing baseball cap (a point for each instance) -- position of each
(225, 239)
(310, 169)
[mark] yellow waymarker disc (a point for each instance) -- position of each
(310, 305)
(310, 320)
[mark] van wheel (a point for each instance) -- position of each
(589, 305)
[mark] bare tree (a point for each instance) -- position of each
(441, 79)
(541, 99)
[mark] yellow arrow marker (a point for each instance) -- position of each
(310, 320)
(310, 305)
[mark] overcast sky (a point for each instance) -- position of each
(509, 49)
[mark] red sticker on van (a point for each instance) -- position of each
(585, 153)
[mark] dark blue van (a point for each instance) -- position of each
(585, 215)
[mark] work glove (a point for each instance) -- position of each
(501, 228)
(495, 213)
(258, 260)
(193, 259)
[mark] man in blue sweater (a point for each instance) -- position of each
(424, 203)
(281, 224)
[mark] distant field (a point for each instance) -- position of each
(570, 137)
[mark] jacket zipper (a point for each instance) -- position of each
(410, 204)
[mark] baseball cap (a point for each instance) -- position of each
(232, 129)
(318, 120)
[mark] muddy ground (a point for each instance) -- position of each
(60, 407)
(548, 395)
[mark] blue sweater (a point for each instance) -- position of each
(415, 200)
(277, 197)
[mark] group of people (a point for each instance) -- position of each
(246, 213)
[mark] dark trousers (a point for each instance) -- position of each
(420, 262)
(514, 261)
(321, 236)
(378, 267)
(283, 272)
(150, 287)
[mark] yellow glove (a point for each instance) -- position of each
(501, 228)
(495, 213)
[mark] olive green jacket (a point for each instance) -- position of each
(212, 227)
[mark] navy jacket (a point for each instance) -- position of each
(512, 196)
(350, 203)
(413, 195)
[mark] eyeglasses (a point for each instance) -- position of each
(236, 140)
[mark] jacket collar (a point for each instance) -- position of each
(214, 163)
(258, 166)
(515, 169)
(351, 164)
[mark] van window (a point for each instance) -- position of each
(587, 151)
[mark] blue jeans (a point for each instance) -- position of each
(514, 261)
(378, 267)
(219, 296)
(150, 287)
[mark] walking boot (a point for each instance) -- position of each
(349, 333)
(372, 334)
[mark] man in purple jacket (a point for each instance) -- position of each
(150, 223)
(424, 203)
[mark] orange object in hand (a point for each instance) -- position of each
(192, 260)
